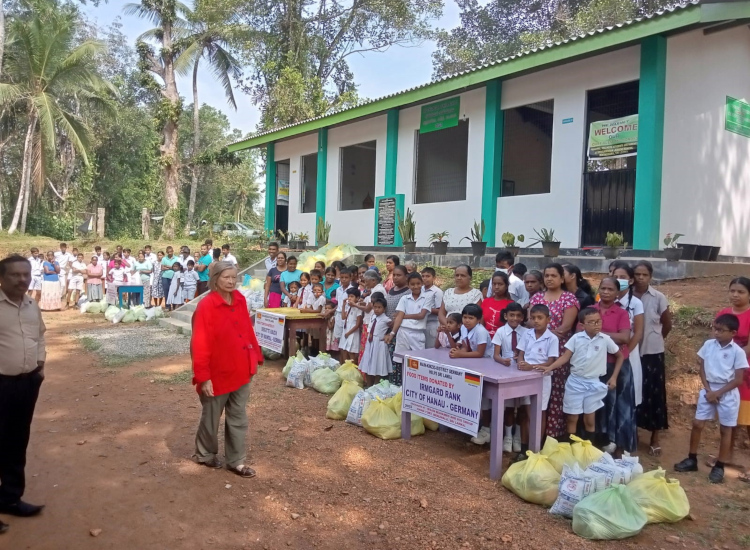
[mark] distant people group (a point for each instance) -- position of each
(59, 278)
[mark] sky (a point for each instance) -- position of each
(377, 74)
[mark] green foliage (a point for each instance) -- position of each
(407, 227)
(438, 237)
(477, 232)
(670, 241)
(615, 240)
(509, 239)
(322, 231)
(544, 236)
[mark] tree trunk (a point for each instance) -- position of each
(196, 144)
(26, 199)
(25, 175)
(170, 154)
(2, 45)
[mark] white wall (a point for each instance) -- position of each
(456, 217)
(560, 209)
(293, 150)
(706, 170)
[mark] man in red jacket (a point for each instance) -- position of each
(225, 354)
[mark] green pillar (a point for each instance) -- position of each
(646, 227)
(391, 152)
(320, 185)
(270, 187)
(493, 158)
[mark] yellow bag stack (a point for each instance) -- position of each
(584, 452)
(349, 371)
(535, 480)
(338, 405)
(417, 422)
(663, 500)
(380, 420)
(558, 454)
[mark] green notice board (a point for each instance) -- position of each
(440, 115)
(386, 220)
(737, 117)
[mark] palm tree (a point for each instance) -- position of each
(208, 40)
(171, 27)
(50, 79)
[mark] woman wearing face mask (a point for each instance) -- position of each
(626, 278)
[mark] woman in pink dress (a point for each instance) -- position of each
(390, 263)
(563, 311)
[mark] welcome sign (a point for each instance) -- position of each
(613, 138)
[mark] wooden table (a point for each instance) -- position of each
(295, 320)
(500, 383)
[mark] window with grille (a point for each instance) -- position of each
(357, 176)
(308, 183)
(441, 162)
(527, 149)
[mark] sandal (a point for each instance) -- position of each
(744, 476)
(214, 463)
(654, 451)
(242, 471)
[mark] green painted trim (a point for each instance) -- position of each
(492, 172)
(391, 153)
(271, 187)
(646, 222)
(597, 42)
(321, 178)
(397, 241)
(724, 11)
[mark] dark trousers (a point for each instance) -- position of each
(165, 284)
(202, 287)
(18, 395)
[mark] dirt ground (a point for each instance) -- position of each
(111, 449)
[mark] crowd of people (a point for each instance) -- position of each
(602, 354)
(60, 278)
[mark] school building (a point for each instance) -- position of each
(642, 128)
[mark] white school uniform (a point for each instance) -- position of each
(431, 330)
(287, 301)
(76, 279)
(230, 258)
(536, 352)
(36, 272)
(64, 261)
(154, 261)
(269, 263)
(634, 307)
(504, 338)
(303, 296)
(443, 339)
(475, 337)
(176, 291)
(411, 333)
(376, 361)
(368, 300)
(350, 343)
(341, 298)
(318, 304)
(190, 284)
(584, 392)
(184, 261)
(721, 364)
(516, 288)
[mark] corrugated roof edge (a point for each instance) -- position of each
(662, 21)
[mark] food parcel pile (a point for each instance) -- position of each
(607, 498)
(327, 254)
(377, 409)
(116, 315)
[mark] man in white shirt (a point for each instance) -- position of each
(273, 251)
(150, 256)
(35, 287)
(99, 255)
(75, 284)
(185, 257)
(64, 259)
(227, 256)
(504, 262)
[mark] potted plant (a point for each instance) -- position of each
(671, 251)
(322, 232)
(613, 243)
(509, 240)
(438, 242)
(550, 245)
(478, 244)
(291, 240)
(407, 228)
(302, 239)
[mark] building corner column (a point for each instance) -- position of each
(320, 181)
(648, 174)
(270, 222)
(492, 172)
(391, 171)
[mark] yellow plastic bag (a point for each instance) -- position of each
(607, 515)
(380, 420)
(325, 381)
(559, 454)
(662, 499)
(430, 424)
(535, 480)
(290, 363)
(584, 451)
(417, 422)
(349, 371)
(338, 405)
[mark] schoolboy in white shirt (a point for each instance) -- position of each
(722, 366)
(411, 317)
(35, 286)
(475, 340)
(433, 324)
(587, 352)
(64, 259)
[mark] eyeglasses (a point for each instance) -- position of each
(593, 323)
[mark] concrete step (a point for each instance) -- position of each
(190, 306)
(175, 324)
(182, 315)
(260, 274)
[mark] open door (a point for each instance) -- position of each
(282, 198)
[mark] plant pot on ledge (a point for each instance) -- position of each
(673, 254)
(410, 246)
(478, 248)
(513, 250)
(440, 248)
(321, 244)
(551, 249)
(611, 252)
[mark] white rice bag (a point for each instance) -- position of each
(358, 406)
(296, 378)
(119, 315)
(614, 473)
(575, 485)
(631, 464)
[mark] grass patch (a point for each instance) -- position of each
(117, 360)
(744, 541)
(89, 343)
(692, 316)
(182, 377)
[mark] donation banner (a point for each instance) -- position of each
(451, 396)
(269, 328)
(613, 138)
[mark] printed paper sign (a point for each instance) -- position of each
(449, 395)
(613, 138)
(269, 328)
